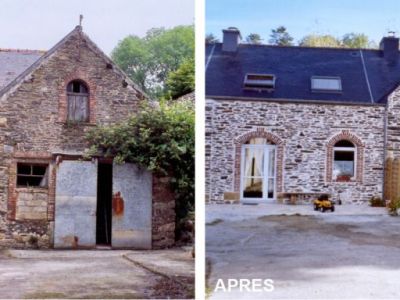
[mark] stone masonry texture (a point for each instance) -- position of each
(33, 127)
(304, 134)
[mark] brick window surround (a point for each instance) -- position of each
(347, 136)
(272, 138)
(29, 157)
(78, 75)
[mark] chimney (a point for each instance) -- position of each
(231, 39)
(390, 47)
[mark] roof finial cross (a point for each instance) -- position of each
(80, 20)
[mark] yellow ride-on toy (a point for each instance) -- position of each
(323, 204)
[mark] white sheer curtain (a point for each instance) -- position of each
(249, 158)
(259, 165)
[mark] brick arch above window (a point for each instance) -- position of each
(63, 99)
(345, 135)
(270, 137)
(258, 133)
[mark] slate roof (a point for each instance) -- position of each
(293, 68)
(14, 61)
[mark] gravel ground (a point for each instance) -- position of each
(107, 274)
(352, 253)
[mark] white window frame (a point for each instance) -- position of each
(265, 178)
(314, 88)
(345, 149)
(260, 84)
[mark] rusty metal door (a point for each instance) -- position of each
(132, 207)
(75, 207)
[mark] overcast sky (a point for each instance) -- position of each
(301, 17)
(40, 24)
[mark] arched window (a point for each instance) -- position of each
(78, 101)
(345, 158)
(344, 161)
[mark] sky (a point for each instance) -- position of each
(375, 18)
(40, 24)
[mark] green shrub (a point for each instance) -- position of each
(159, 138)
(393, 206)
(377, 201)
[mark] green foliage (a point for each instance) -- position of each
(253, 38)
(280, 37)
(393, 207)
(315, 40)
(349, 40)
(150, 59)
(160, 139)
(132, 56)
(357, 40)
(181, 81)
(211, 39)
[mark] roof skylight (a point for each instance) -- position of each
(326, 84)
(259, 81)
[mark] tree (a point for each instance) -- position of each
(349, 40)
(160, 139)
(357, 40)
(253, 38)
(315, 40)
(181, 81)
(150, 59)
(280, 37)
(211, 39)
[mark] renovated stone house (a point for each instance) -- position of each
(294, 122)
(50, 195)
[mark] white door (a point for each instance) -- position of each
(258, 174)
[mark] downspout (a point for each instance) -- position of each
(385, 121)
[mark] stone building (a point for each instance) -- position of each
(295, 122)
(50, 196)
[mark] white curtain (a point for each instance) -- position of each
(259, 165)
(248, 161)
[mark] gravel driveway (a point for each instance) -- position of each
(350, 254)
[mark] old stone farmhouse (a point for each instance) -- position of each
(284, 121)
(49, 195)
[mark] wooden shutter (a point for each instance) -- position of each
(81, 108)
(78, 109)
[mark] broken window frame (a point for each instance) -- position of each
(44, 178)
(72, 97)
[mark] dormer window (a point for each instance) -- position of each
(326, 84)
(78, 101)
(259, 82)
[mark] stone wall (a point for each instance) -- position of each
(306, 131)
(163, 218)
(31, 204)
(393, 124)
(32, 122)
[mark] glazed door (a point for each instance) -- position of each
(258, 172)
(75, 204)
(131, 207)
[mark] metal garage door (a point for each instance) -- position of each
(75, 205)
(132, 207)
